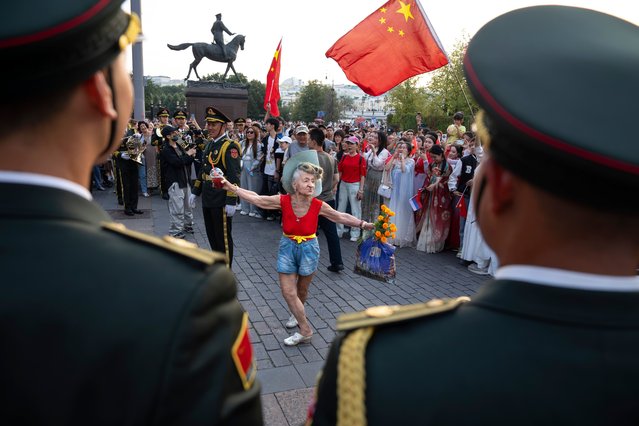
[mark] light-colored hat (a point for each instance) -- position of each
(301, 129)
(285, 139)
(309, 156)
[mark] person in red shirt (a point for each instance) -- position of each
(298, 254)
(352, 172)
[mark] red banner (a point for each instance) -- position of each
(272, 95)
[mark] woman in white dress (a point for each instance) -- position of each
(375, 156)
(401, 168)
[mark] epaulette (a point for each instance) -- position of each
(378, 315)
(175, 245)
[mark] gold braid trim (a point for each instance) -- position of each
(226, 239)
(351, 378)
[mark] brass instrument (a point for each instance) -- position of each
(135, 147)
(185, 141)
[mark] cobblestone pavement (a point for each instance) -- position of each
(288, 374)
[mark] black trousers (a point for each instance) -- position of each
(214, 222)
(330, 231)
(130, 178)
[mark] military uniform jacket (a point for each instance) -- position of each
(104, 326)
(226, 155)
(517, 354)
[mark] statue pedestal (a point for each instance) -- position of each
(230, 98)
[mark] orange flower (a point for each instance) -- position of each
(385, 225)
(383, 239)
(391, 213)
(380, 217)
(393, 236)
(393, 227)
(387, 233)
(378, 234)
(384, 207)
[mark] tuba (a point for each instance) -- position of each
(135, 147)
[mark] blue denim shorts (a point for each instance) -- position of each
(301, 259)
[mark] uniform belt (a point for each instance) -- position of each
(299, 239)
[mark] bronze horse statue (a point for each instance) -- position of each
(214, 53)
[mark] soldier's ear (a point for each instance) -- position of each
(100, 95)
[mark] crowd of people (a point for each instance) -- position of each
(424, 176)
(114, 326)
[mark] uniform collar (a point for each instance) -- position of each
(559, 305)
(567, 279)
(48, 202)
(44, 180)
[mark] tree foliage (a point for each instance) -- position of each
(438, 101)
(313, 98)
(447, 83)
(407, 100)
(156, 96)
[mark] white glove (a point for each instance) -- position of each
(192, 198)
(230, 210)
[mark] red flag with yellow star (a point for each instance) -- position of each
(272, 94)
(392, 44)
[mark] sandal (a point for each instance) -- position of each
(296, 339)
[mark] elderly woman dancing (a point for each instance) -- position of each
(298, 255)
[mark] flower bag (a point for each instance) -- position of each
(375, 258)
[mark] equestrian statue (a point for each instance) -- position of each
(216, 51)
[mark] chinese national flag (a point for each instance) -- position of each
(462, 207)
(272, 94)
(392, 44)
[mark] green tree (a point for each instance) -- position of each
(256, 91)
(407, 99)
(315, 97)
(448, 87)
(156, 96)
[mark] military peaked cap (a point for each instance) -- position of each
(163, 112)
(47, 45)
(180, 113)
(552, 80)
(214, 115)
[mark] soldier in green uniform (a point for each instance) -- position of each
(218, 205)
(90, 334)
(554, 338)
(157, 140)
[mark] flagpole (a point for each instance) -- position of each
(461, 86)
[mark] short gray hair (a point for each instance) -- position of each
(309, 168)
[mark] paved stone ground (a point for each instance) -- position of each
(287, 374)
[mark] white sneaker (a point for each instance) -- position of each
(252, 214)
(296, 339)
(146, 195)
(243, 213)
(477, 270)
(292, 322)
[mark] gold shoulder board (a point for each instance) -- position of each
(175, 245)
(377, 315)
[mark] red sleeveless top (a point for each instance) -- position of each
(306, 225)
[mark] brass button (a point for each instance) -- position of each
(435, 303)
(380, 311)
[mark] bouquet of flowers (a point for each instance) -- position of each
(375, 258)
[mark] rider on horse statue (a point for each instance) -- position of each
(218, 31)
